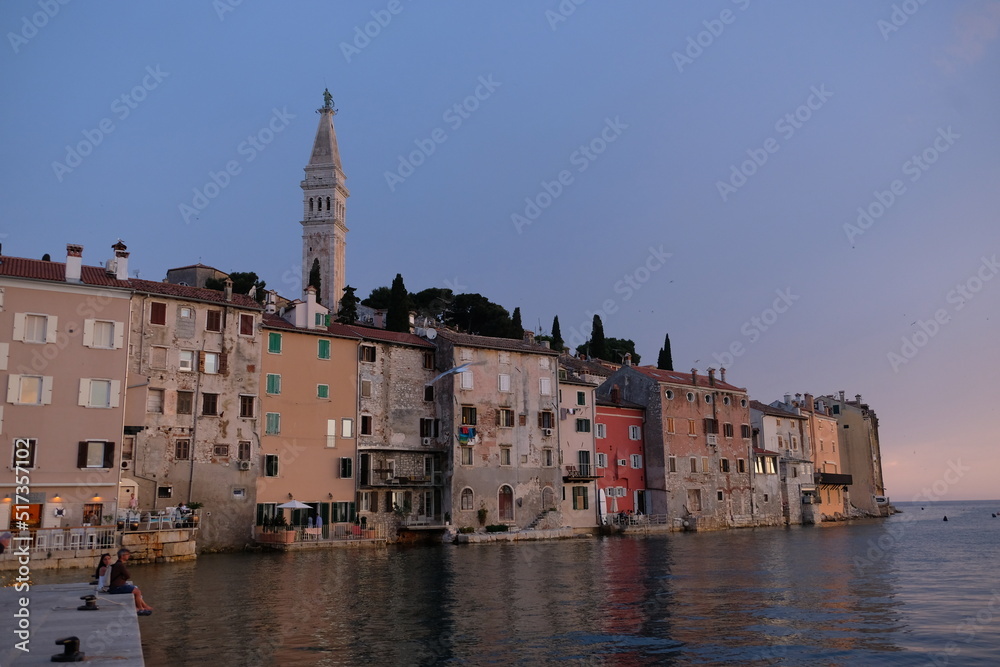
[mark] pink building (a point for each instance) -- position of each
(621, 457)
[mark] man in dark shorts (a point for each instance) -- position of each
(120, 585)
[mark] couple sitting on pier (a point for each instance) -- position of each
(117, 579)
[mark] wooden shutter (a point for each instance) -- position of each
(224, 363)
(109, 455)
(88, 333)
(201, 361)
(19, 326)
(13, 388)
(50, 328)
(4, 352)
(119, 342)
(81, 454)
(83, 398)
(116, 387)
(46, 390)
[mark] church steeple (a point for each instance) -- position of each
(324, 204)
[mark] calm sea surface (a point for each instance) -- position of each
(909, 590)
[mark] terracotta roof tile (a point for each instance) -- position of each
(773, 411)
(36, 269)
(372, 333)
(679, 377)
(512, 344)
(583, 366)
(193, 293)
(273, 321)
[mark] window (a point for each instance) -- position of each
(503, 382)
(581, 398)
(466, 379)
(745, 430)
(210, 362)
(583, 426)
(220, 450)
(331, 432)
(743, 402)
(164, 491)
(601, 430)
(690, 397)
(429, 359)
(273, 384)
(182, 449)
(185, 402)
(157, 357)
(35, 328)
(213, 320)
(635, 460)
(505, 418)
(154, 401)
(99, 393)
(708, 398)
(580, 498)
(323, 348)
(719, 495)
(795, 443)
(322, 391)
(602, 460)
(692, 427)
(694, 464)
(246, 324)
(186, 360)
(29, 389)
(322, 319)
(247, 405)
(765, 497)
(466, 456)
(102, 334)
(367, 353)
(24, 453)
(128, 447)
(468, 415)
(547, 419)
(366, 500)
(723, 465)
(505, 456)
(545, 386)
(711, 425)
(467, 499)
(272, 423)
(270, 465)
(727, 430)
(243, 450)
(635, 433)
(185, 313)
(157, 313)
(210, 404)
(669, 393)
(274, 342)
(429, 427)
(429, 393)
(672, 464)
(758, 466)
(347, 428)
(547, 457)
(366, 388)
(346, 467)
(366, 425)
(670, 425)
(726, 400)
(781, 442)
(769, 465)
(741, 465)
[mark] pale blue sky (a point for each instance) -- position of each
(888, 96)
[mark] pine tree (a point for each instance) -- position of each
(315, 280)
(348, 307)
(665, 361)
(516, 328)
(557, 341)
(598, 345)
(398, 317)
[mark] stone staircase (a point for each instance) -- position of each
(538, 519)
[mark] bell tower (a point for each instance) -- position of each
(324, 209)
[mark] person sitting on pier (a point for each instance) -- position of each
(5, 541)
(120, 585)
(103, 572)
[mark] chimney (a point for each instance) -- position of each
(74, 262)
(269, 307)
(694, 376)
(529, 337)
(121, 260)
(858, 398)
(229, 289)
(545, 344)
(722, 374)
(841, 395)
(810, 403)
(628, 358)
(311, 295)
(711, 377)
(788, 399)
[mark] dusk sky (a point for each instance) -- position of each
(679, 168)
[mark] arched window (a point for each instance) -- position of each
(505, 503)
(328, 203)
(548, 498)
(467, 499)
(310, 204)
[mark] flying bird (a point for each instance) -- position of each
(457, 369)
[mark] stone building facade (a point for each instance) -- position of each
(860, 454)
(578, 427)
(781, 428)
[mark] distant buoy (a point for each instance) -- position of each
(946, 518)
(921, 509)
(994, 516)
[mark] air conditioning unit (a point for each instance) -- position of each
(426, 441)
(126, 465)
(244, 465)
(546, 431)
(713, 439)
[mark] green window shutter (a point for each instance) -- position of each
(324, 349)
(274, 342)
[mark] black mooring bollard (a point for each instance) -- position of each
(71, 650)
(89, 603)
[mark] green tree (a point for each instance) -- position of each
(597, 345)
(557, 340)
(348, 306)
(432, 302)
(516, 328)
(378, 299)
(398, 317)
(475, 314)
(243, 282)
(617, 349)
(665, 360)
(315, 280)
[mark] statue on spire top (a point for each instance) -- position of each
(327, 102)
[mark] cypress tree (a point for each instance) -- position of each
(348, 307)
(315, 280)
(665, 361)
(598, 344)
(398, 317)
(516, 328)
(557, 341)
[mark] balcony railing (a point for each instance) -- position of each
(834, 479)
(377, 479)
(581, 473)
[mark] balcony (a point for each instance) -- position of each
(834, 479)
(581, 473)
(379, 477)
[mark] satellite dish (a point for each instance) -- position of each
(431, 334)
